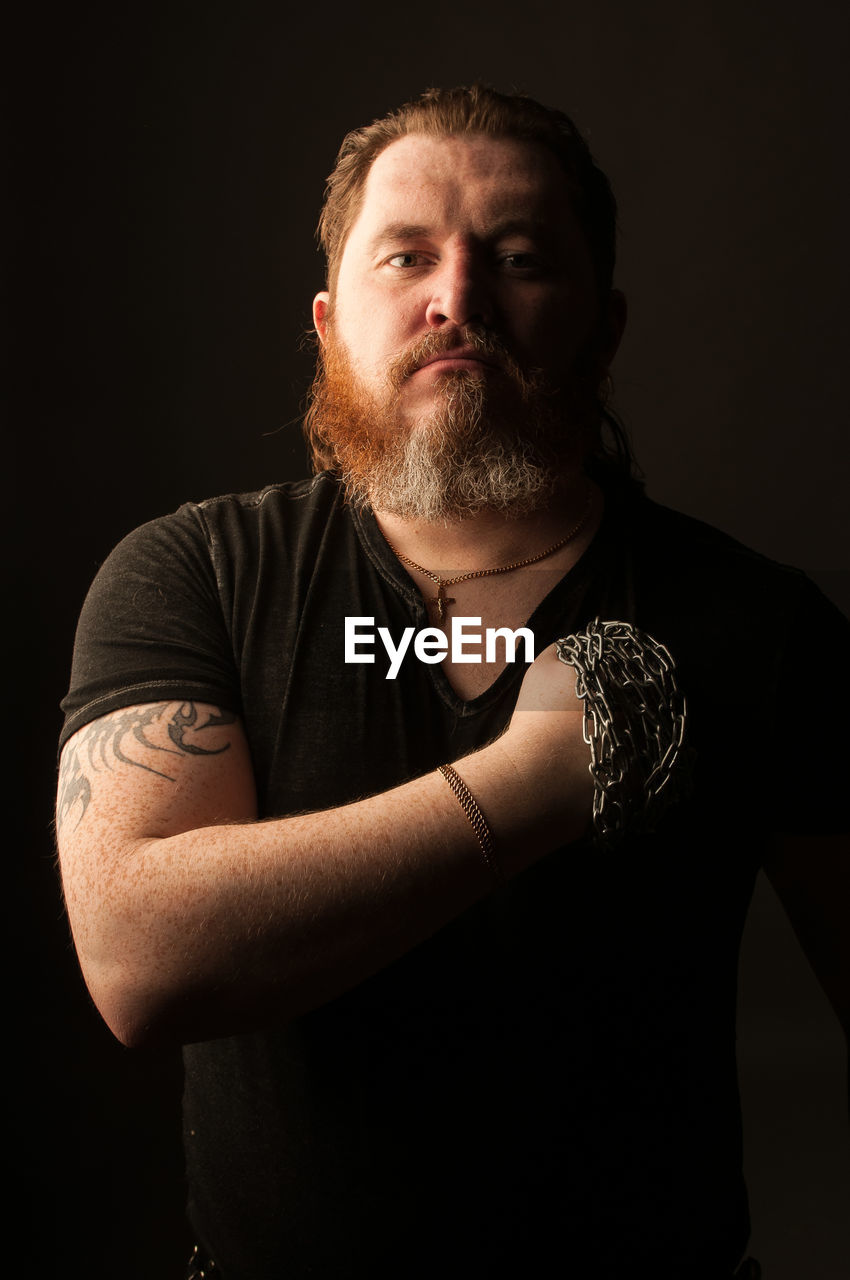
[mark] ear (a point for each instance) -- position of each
(321, 308)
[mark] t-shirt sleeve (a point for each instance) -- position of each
(153, 627)
(809, 741)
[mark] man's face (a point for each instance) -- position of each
(465, 270)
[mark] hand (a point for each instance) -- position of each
(546, 746)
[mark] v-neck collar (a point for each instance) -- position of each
(554, 616)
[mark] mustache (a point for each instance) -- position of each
(439, 341)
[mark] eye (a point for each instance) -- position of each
(523, 263)
(404, 261)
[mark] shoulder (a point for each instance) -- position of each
(207, 548)
(760, 651)
(705, 561)
(168, 611)
(200, 537)
(683, 535)
(726, 612)
(288, 502)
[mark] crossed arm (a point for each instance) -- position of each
(192, 919)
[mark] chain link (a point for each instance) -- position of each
(634, 724)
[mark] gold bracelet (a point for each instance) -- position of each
(469, 804)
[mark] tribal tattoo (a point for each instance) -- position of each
(109, 739)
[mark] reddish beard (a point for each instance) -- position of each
(501, 440)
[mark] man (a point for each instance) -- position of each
(433, 1026)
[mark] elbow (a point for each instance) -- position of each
(140, 1012)
(134, 1033)
(144, 983)
(148, 1008)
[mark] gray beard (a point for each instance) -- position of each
(456, 464)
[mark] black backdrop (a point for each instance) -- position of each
(166, 171)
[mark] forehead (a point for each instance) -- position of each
(471, 183)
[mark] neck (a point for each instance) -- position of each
(488, 538)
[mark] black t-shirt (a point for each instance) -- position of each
(548, 1085)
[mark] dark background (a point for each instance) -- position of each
(166, 172)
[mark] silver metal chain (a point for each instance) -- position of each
(634, 724)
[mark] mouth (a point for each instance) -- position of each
(457, 358)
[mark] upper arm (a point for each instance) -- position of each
(144, 772)
(811, 875)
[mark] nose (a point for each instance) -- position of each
(459, 292)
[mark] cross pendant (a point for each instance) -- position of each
(440, 601)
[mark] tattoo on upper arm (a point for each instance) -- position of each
(122, 737)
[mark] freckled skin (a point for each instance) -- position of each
(193, 920)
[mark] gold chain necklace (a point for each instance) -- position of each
(441, 601)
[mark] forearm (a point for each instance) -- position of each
(204, 932)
